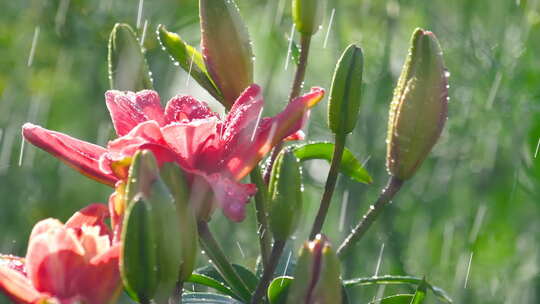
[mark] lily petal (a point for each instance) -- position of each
(185, 109)
(18, 287)
(129, 109)
(269, 133)
(231, 196)
(78, 154)
(91, 215)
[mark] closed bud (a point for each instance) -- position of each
(128, 70)
(419, 107)
(226, 48)
(316, 278)
(345, 94)
(176, 181)
(285, 190)
(307, 15)
(152, 232)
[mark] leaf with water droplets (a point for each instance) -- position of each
(247, 276)
(350, 166)
(394, 299)
(128, 69)
(201, 279)
(188, 58)
(278, 290)
(207, 297)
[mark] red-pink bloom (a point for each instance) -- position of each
(186, 131)
(72, 263)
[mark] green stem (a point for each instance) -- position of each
(277, 250)
(223, 266)
(393, 186)
(305, 42)
(330, 186)
(176, 297)
(262, 216)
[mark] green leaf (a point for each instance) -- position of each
(278, 290)
(206, 297)
(394, 299)
(420, 293)
(324, 150)
(393, 280)
(189, 59)
(247, 276)
(128, 70)
(207, 281)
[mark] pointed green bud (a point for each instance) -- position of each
(159, 219)
(285, 189)
(176, 181)
(128, 70)
(226, 48)
(419, 107)
(346, 91)
(138, 260)
(316, 278)
(307, 15)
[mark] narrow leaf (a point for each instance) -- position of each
(206, 297)
(420, 293)
(188, 58)
(394, 299)
(350, 166)
(278, 290)
(207, 281)
(128, 70)
(247, 276)
(393, 280)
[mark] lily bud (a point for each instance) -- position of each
(419, 107)
(128, 69)
(307, 15)
(175, 179)
(316, 278)
(226, 48)
(151, 229)
(285, 190)
(345, 94)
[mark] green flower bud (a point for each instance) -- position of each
(316, 278)
(128, 69)
(175, 179)
(285, 191)
(419, 107)
(307, 15)
(226, 48)
(151, 231)
(345, 94)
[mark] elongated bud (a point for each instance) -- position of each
(175, 179)
(285, 190)
(128, 69)
(316, 278)
(226, 48)
(307, 15)
(346, 91)
(419, 107)
(151, 229)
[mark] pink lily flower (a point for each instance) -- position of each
(72, 263)
(186, 131)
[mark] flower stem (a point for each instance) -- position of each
(330, 186)
(262, 217)
(305, 42)
(223, 266)
(277, 250)
(393, 186)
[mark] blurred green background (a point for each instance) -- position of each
(469, 220)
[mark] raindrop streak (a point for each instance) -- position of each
(494, 88)
(143, 35)
(33, 48)
(343, 210)
(21, 153)
(139, 13)
(477, 223)
(537, 146)
(379, 261)
(256, 125)
(468, 270)
(286, 266)
(329, 27)
(289, 49)
(190, 67)
(364, 162)
(241, 251)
